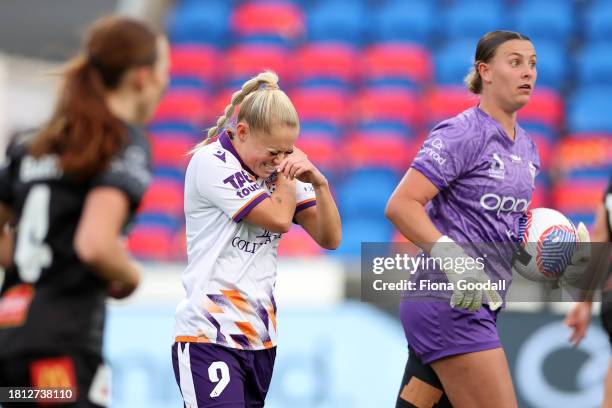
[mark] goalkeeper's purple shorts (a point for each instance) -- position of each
(435, 330)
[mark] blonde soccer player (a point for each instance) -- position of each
(245, 185)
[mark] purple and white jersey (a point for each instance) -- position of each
(231, 264)
(485, 179)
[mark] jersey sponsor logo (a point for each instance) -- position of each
(252, 247)
(14, 305)
(220, 155)
(53, 373)
(497, 169)
(504, 204)
(243, 183)
(133, 162)
(433, 151)
(45, 167)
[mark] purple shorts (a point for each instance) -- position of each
(435, 330)
(209, 375)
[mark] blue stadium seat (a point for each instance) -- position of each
(399, 20)
(598, 22)
(200, 22)
(358, 230)
(365, 192)
(549, 20)
(453, 62)
(470, 19)
(594, 65)
(337, 20)
(553, 67)
(590, 110)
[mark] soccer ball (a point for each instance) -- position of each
(548, 241)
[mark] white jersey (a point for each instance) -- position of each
(231, 264)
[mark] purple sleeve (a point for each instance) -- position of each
(444, 154)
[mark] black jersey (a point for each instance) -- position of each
(50, 300)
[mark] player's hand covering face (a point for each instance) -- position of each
(297, 165)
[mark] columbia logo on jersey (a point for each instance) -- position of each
(252, 247)
(238, 181)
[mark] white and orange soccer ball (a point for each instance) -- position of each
(551, 241)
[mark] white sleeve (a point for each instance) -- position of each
(304, 196)
(227, 185)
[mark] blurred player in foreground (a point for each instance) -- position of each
(242, 192)
(579, 317)
(70, 191)
(482, 151)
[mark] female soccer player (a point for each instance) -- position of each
(70, 191)
(242, 192)
(579, 317)
(476, 172)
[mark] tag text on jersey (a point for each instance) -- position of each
(238, 181)
(493, 202)
(45, 167)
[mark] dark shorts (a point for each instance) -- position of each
(435, 330)
(85, 373)
(606, 313)
(209, 375)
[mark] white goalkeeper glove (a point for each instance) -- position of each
(471, 299)
(581, 257)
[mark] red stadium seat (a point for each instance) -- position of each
(390, 105)
(163, 196)
(581, 150)
(183, 105)
(171, 149)
(398, 61)
(322, 150)
(380, 150)
(195, 60)
(273, 18)
(150, 243)
(178, 251)
(545, 106)
(445, 102)
(247, 60)
(325, 105)
(327, 61)
(578, 196)
(297, 243)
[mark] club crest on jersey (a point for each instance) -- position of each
(532, 171)
(243, 183)
(497, 169)
(220, 155)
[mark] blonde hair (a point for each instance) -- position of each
(262, 106)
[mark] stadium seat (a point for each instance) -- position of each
(390, 105)
(164, 196)
(397, 64)
(337, 20)
(196, 62)
(322, 105)
(365, 192)
(244, 61)
(322, 64)
(579, 152)
(535, 19)
(150, 242)
(453, 61)
(444, 102)
(200, 22)
(272, 21)
(398, 20)
(358, 230)
(594, 64)
(171, 149)
(470, 19)
(578, 195)
(172, 173)
(552, 64)
(590, 111)
(371, 149)
(545, 109)
(183, 105)
(597, 27)
(321, 147)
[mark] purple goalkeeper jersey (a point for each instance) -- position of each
(485, 181)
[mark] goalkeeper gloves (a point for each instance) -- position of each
(470, 299)
(581, 257)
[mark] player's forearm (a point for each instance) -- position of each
(6, 247)
(110, 261)
(410, 218)
(283, 203)
(329, 225)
